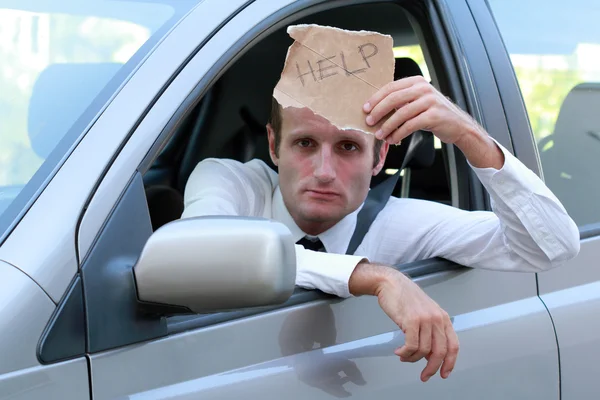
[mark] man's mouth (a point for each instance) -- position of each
(322, 194)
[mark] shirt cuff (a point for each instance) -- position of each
(519, 197)
(327, 272)
(514, 181)
(486, 174)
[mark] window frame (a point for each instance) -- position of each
(468, 193)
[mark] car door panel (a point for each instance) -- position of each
(31, 301)
(311, 351)
(66, 380)
(572, 295)
(26, 310)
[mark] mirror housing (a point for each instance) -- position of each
(216, 263)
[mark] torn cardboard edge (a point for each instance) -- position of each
(333, 72)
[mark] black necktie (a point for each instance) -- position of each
(314, 245)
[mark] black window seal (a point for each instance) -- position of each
(413, 270)
(485, 104)
(470, 196)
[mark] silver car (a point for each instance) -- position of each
(107, 106)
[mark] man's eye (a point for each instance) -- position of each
(349, 147)
(304, 143)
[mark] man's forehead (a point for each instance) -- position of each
(301, 120)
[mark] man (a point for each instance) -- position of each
(324, 176)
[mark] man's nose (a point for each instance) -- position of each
(324, 168)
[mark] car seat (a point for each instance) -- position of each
(572, 162)
(59, 97)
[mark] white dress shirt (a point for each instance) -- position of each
(528, 230)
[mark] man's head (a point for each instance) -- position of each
(324, 172)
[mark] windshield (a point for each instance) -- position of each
(60, 62)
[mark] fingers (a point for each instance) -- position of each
(404, 114)
(453, 347)
(432, 337)
(411, 340)
(424, 344)
(438, 351)
(389, 88)
(427, 328)
(394, 101)
(421, 121)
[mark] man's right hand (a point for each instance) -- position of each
(427, 327)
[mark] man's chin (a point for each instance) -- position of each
(322, 213)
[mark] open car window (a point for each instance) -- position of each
(229, 122)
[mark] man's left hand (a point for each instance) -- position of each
(414, 104)
(418, 106)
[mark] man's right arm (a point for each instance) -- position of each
(228, 187)
(427, 327)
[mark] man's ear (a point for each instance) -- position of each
(272, 152)
(382, 155)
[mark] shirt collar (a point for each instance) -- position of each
(335, 239)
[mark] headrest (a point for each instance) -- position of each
(165, 204)
(422, 152)
(576, 149)
(60, 95)
(405, 67)
(571, 164)
(578, 123)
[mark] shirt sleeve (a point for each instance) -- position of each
(228, 187)
(327, 272)
(534, 222)
(528, 230)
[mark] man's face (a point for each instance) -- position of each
(324, 172)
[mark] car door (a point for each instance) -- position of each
(313, 346)
(555, 56)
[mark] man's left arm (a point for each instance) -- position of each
(533, 219)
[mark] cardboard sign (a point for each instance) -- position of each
(334, 72)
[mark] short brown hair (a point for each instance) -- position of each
(276, 121)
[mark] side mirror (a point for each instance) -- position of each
(207, 264)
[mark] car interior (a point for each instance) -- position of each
(60, 95)
(576, 133)
(230, 119)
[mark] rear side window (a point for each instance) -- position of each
(555, 50)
